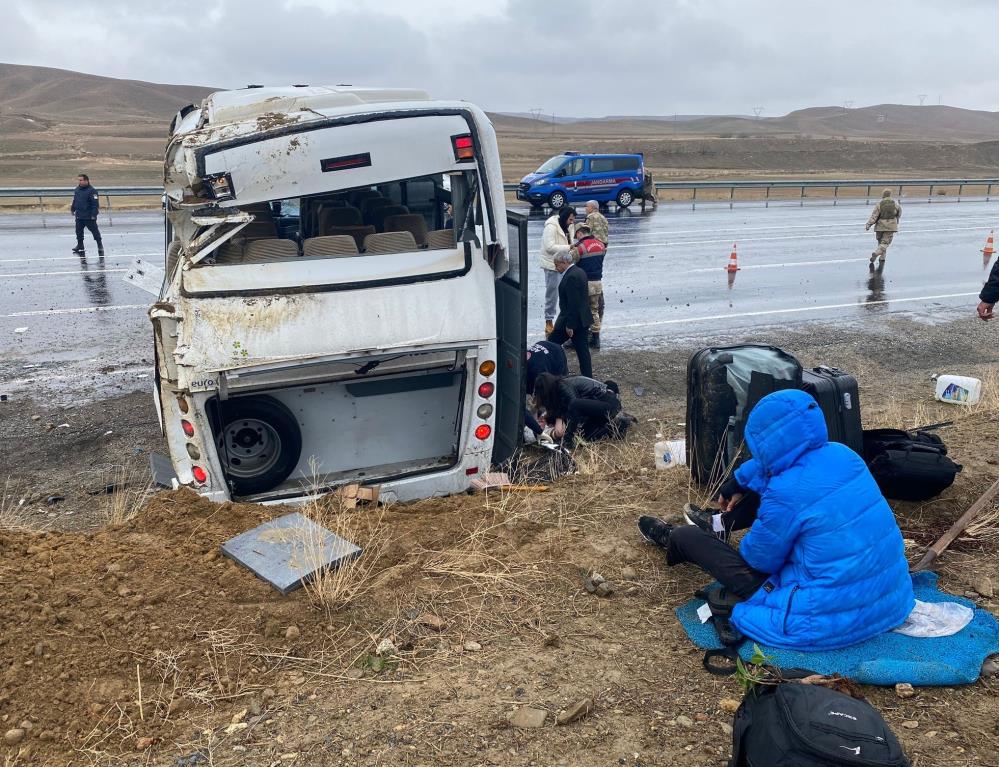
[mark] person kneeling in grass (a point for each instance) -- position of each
(823, 563)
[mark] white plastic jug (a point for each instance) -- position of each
(670, 453)
(959, 390)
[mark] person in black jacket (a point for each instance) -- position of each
(85, 208)
(574, 316)
(542, 357)
(989, 294)
(578, 405)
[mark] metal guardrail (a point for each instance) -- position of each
(41, 192)
(834, 184)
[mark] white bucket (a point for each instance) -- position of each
(959, 390)
(670, 453)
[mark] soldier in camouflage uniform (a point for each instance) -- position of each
(884, 218)
(600, 229)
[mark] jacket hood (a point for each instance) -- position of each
(783, 427)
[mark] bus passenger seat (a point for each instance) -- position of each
(413, 223)
(370, 205)
(273, 249)
(440, 239)
(378, 215)
(336, 246)
(332, 216)
(389, 242)
(357, 232)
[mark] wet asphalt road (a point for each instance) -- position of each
(665, 281)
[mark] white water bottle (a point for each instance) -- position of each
(669, 453)
(959, 390)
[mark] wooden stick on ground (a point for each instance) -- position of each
(956, 529)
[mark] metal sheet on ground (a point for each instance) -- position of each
(289, 551)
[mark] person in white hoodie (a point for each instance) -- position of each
(555, 240)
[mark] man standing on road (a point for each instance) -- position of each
(589, 253)
(85, 207)
(884, 218)
(574, 316)
(989, 294)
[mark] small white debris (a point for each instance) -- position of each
(20, 330)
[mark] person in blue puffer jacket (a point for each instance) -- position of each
(823, 564)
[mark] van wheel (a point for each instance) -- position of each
(556, 200)
(625, 197)
(259, 445)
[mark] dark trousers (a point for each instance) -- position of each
(580, 342)
(591, 418)
(87, 223)
(726, 565)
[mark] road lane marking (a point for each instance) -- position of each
(802, 238)
(76, 258)
(82, 310)
(767, 312)
(54, 274)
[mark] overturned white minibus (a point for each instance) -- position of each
(344, 298)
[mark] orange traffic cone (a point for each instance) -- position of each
(989, 248)
(733, 261)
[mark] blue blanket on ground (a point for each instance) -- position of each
(885, 659)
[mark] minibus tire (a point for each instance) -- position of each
(275, 424)
(625, 197)
(557, 196)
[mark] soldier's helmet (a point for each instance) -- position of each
(886, 193)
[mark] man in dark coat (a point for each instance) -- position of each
(85, 207)
(989, 294)
(574, 315)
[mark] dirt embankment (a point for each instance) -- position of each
(139, 644)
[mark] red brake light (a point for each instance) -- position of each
(471, 471)
(188, 427)
(486, 389)
(464, 148)
(200, 475)
(483, 431)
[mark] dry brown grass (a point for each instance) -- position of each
(129, 489)
(11, 509)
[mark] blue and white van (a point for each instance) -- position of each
(575, 177)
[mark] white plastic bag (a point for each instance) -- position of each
(936, 619)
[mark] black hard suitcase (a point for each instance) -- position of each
(715, 415)
(837, 395)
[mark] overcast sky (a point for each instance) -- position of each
(585, 57)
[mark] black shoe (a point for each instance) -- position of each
(704, 519)
(655, 531)
(79, 249)
(100, 251)
(594, 340)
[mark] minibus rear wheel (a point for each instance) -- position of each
(259, 445)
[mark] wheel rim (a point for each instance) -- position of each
(252, 447)
(558, 200)
(625, 198)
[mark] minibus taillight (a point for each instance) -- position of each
(483, 431)
(464, 149)
(188, 427)
(200, 475)
(182, 405)
(485, 410)
(486, 389)
(487, 368)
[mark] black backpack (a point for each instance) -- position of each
(801, 725)
(909, 465)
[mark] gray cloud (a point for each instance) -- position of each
(588, 57)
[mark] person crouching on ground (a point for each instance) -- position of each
(554, 240)
(589, 252)
(541, 357)
(578, 405)
(823, 564)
